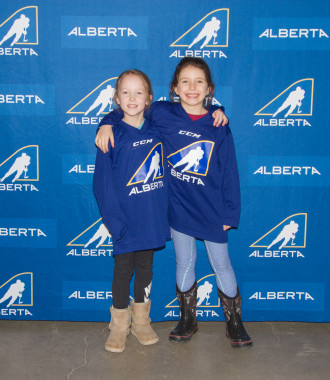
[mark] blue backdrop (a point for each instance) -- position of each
(59, 61)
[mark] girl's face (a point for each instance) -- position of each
(132, 96)
(192, 89)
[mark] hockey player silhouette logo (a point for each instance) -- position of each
(18, 29)
(194, 158)
(210, 31)
(154, 168)
(104, 98)
(151, 169)
(19, 166)
(296, 100)
(21, 27)
(102, 234)
(23, 165)
(14, 292)
(292, 101)
(291, 232)
(203, 293)
(191, 160)
(17, 291)
(97, 233)
(288, 233)
(99, 100)
(206, 297)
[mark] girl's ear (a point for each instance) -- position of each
(148, 101)
(117, 100)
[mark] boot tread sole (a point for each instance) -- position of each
(239, 345)
(179, 338)
(110, 349)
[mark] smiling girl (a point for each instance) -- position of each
(204, 193)
(131, 191)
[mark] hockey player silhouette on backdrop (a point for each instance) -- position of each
(209, 30)
(18, 28)
(288, 232)
(191, 159)
(19, 166)
(104, 98)
(15, 291)
(293, 100)
(102, 233)
(203, 293)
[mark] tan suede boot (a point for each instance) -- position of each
(141, 327)
(119, 329)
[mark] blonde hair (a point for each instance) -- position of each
(145, 79)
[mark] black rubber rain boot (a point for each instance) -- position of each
(187, 325)
(235, 330)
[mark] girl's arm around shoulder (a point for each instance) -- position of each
(104, 131)
(158, 110)
(112, 117)
(117, 114)
(220, 119)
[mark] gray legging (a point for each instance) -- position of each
(186, 254)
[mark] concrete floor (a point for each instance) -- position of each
(75, 350)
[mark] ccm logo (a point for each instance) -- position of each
(142, 142)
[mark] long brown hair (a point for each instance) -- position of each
(200, 64)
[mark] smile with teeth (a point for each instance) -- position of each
(194, 95)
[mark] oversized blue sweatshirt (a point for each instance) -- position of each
(204, 192)
(130, 185)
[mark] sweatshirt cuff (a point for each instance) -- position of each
(117, 234)
(230, 222)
